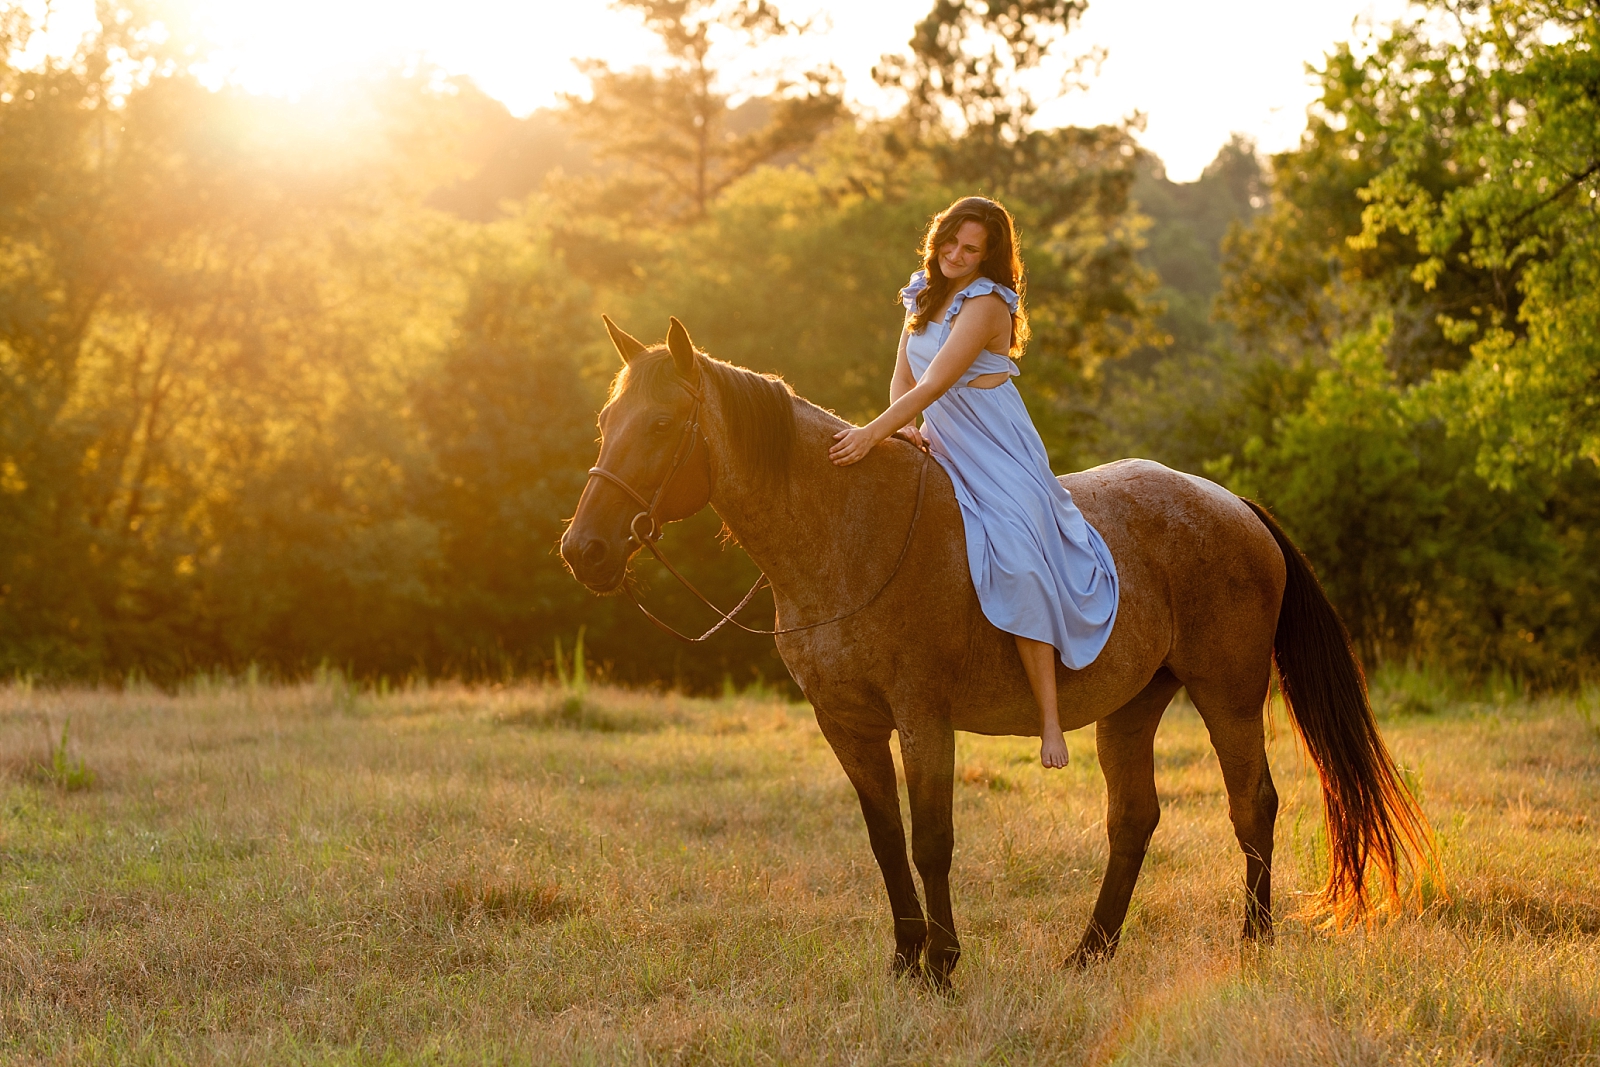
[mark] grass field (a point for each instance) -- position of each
(444, 874)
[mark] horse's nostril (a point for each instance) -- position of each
(593, 552)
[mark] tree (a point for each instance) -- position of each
(506, 416)
(1412, 315)
(199, 340)
(674, 132)
(1508, 106)
(968, 60)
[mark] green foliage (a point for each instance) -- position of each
(965, 64)
(1344, 478)
(1186, 225)
(292, 384)
(1402, 360)
(1506, 107)
(1408, 541)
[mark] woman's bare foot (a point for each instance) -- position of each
(1039, 660)
(1053, 750)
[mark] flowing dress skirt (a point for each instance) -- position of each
(1040, 569)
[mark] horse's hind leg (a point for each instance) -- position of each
(1233, 715)
(928, 748)
(1126, 743)
(870, 766)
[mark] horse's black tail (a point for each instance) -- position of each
(1372, 816)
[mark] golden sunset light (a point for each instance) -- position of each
(1198, 72)
(799, 532)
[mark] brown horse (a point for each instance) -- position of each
(1212, 594)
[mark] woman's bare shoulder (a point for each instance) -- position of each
(988, 307)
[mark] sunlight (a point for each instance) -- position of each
(518, 52)
(1196, 72)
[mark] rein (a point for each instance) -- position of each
(687, 438)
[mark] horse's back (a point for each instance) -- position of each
(1199, 581)
(1199, 589)
(1197, 549)
(1147, 506)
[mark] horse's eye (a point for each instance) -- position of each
(662, 425)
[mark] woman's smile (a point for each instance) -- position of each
(961, 257)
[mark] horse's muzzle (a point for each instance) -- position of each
(599, 564)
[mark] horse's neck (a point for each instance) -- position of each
(806, 532)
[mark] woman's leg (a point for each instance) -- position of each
(1039, 660)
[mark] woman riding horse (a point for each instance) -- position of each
(1042, 573)
(876, 568)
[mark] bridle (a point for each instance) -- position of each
(688, 437)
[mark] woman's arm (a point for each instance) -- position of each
(903, 380)
(901, 383)
(981, 318)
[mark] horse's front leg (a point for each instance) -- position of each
(866, 759)
(928, 748)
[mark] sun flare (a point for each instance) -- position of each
(1200, 77)
(520, 53)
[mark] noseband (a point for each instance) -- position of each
(687, 438)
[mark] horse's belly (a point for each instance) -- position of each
(1018, 714)
(1014, 718)
(995, 698)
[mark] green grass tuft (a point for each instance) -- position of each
(564, 709)
(62, 771)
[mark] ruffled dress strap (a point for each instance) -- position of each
(981, 287)
(908, 295)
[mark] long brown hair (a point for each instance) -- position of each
(1001, 263)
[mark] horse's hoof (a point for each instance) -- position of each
(1085, 956)
(1258, 933)
(907, 961)
(941, 966)
(901, 967)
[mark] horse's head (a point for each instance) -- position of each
(653, 467)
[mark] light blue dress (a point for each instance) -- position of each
(1040, 569)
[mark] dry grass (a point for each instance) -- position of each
(311, 874)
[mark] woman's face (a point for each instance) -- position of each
(962, 256)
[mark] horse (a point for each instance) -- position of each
(880, 627)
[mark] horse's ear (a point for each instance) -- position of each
(627, 347)
(682, 349)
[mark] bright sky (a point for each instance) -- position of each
(1198, 71)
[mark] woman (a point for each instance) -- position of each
(1043, 574)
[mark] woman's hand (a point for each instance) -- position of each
(912, 434)
(852, 445)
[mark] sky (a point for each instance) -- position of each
(1198, 72)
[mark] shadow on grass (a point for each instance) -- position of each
(478, 898)
(581, 711)
(1511, 911)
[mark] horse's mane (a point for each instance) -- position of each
(758, 408)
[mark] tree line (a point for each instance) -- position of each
(289, 383)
